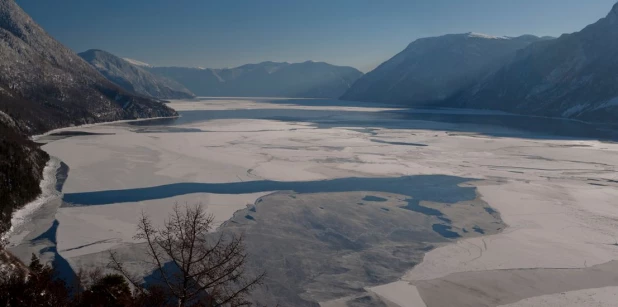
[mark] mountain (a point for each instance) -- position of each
(575, 76)
(132, 76)
(268, 79)
(44, 85)
(432, 69)
(51, 87)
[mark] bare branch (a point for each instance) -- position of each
(117, 266)
(208, 267)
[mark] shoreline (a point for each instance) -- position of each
(38, 136)
(48, 192)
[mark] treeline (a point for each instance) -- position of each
(191, 266)
(39, 286)
(21, 170)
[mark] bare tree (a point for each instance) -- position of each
(207, 270)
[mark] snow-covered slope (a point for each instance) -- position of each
(137, 63)
(44, 85)
(575, 75)
(432, 69)
(266, 79)
(133, 77)
(51, 86)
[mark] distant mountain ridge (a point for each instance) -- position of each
(267, 79)
(432, 69)
(572, 76)
(133, 76)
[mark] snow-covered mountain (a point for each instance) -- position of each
(432, 69)
(50, 86)
(44, 85)
(133, 77)
(267, 79)
(575, 75)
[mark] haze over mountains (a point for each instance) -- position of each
(267, 79)
(432, 69)
(132, 76)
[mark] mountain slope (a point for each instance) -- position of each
(52, 80)
(21, 168)
(573, 76)
(134, 78)
(432, 69)
(267, 79)
(44, 85)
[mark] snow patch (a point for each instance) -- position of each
(485, 36)
(610, 103)
(137, 63)
(48, 192)
(38, 136)
(7, 120)
(4, 91)
(578, 108)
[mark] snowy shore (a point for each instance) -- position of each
(48, 192)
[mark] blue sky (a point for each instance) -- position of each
(358, 33)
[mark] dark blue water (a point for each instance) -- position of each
(435, 188)
(445, 231)
(61, 176)
(398, 143)
(415, 205)
(490, 210)
(478, 229)
(467, 120)
(61, 266)
(374, 198)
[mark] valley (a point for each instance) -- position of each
(393, 206)
(317, 162)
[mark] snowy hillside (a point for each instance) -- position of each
(133, 77)
(432, 69)
(571, 76)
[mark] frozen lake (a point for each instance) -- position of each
(394, 206)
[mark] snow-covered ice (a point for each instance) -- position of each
(557, 196)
